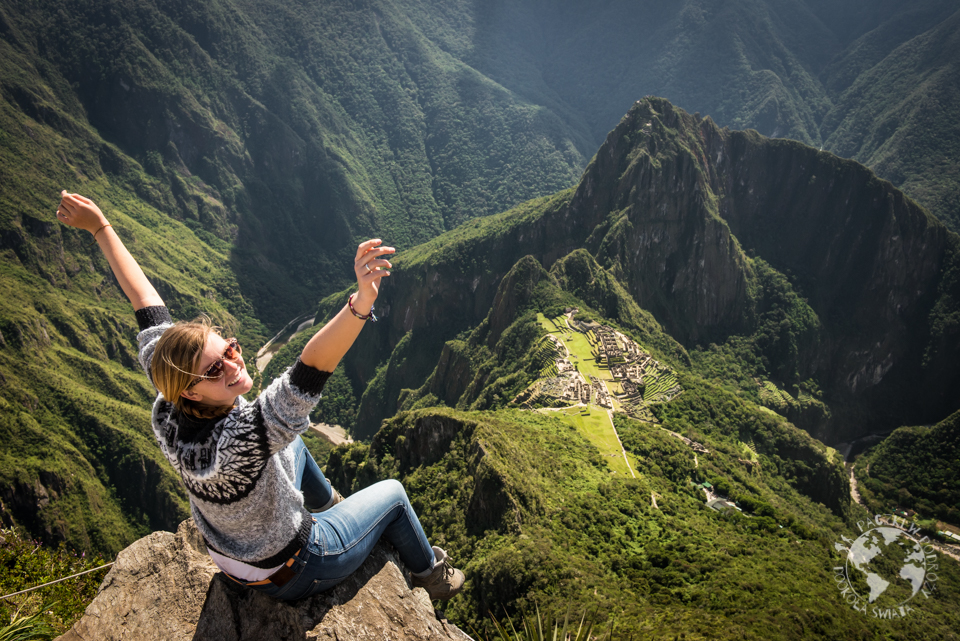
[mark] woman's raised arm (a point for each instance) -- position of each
(328, 346)
(82, 213)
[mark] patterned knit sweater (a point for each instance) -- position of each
(239, 469)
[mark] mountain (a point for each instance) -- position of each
(548, 514)
(545, 524)
(242, 148)
(287, 153)
(897, 85)
(870, 81)
(240, 170)
(765, 256)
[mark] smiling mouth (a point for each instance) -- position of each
(236, 380)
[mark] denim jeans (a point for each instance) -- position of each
(343, 536)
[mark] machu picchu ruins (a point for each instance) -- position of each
(584, 362)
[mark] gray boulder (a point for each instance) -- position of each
(165, 587)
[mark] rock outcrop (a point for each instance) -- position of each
(165, 587)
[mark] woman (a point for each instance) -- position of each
(270, 519)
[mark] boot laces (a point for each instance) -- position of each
(446, 569)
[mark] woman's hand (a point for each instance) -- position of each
(370, 268)
(325, 349)
(80, 212)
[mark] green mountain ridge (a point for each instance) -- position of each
(540, 517)
(209, 145)
(242, 149)
(672, 206)
(870, 81)
(530, 508)
(901, 127)
(916, 468)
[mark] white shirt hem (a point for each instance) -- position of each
(239, 569)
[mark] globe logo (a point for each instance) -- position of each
(885, 568)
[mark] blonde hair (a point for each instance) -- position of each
(175, 362)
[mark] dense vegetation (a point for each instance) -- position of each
(540, 521)
(241, 149)
(240, 171)
(915, 468)
(836, 341)
(874, 82)
(241, 167)
(25, 563)
(531, 512)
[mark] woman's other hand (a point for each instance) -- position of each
(370, 268)
(80, 212)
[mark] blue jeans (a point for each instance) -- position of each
(343, 536)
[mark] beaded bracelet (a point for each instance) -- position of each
(370, 317)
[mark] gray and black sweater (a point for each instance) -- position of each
(239, 469)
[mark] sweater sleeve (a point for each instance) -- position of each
(153, 322)
(286, 403)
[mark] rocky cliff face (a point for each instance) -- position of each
(674, 208)
(421, 439)
(695, 200)
(165, 587)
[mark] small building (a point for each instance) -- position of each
(721, 505)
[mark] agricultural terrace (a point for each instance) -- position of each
(587, 370)
(578, 346)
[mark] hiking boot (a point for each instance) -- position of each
(444, 582)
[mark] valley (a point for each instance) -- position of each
(266, 353)
(645, 250)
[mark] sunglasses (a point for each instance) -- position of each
(215, 372)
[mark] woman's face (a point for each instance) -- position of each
(234, 382)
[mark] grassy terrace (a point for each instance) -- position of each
(580, 351)
(665, 382)
(594, 423)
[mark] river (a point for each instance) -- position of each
(283, 337)
(855, 447)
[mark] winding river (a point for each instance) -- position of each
(283, 337)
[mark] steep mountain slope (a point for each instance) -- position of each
(538, 515)
(361, 126)
(241, 148)
(674, 208)
(532, 512)
(897, 117)
(239, 169)
(916, 468)
(746, 63)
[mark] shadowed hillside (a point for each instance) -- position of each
(874, 81)
(240, 151)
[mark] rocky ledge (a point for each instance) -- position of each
(165, 587)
